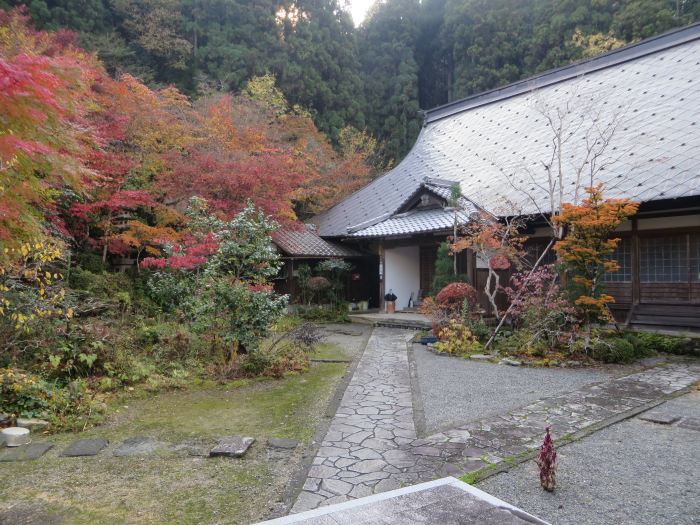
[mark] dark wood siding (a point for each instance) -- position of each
(428, 256)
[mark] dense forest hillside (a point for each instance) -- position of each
(408, 54)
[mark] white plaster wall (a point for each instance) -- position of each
(402, 273)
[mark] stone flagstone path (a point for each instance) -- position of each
(360, 454)
(371, 445)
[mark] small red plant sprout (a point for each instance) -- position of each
(547, 461)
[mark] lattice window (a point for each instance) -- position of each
(533, 251)
(695, 257)
(664, 259)
(623, 256)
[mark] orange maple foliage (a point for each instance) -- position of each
(586, 250)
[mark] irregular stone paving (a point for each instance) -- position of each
(472, 446)
(371, 445)
(361, 452)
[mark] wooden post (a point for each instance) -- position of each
(635, 264)
(382, 276)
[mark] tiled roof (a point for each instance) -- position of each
(443, 188)
(306, 243)
(414, 221)
(495, 144)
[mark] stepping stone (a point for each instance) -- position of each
(25, 452)
(282, 443)
(32, 424)
(232, 447)
(691, 423)
(482, 357)
(85, 447)
(511, 362)
(660, 418)
(137, 446)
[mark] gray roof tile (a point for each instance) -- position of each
(415, 221)
(494, 144)
(306, 243)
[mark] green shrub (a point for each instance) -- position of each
(444, 269)
(23, 394)
(70, 407)
(325, 315)
(169, 290)
(614, 350)
(651, 342)
(103, 285)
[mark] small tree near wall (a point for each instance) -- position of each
(587, 248)
(499, 243)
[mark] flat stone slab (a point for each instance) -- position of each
(85, 447)
(137, 446)
(282, 443)
(483, 357)
(660, 418)
(32, 424)
(25, 452)
(445, 501)
(232, 447)
(691, 423)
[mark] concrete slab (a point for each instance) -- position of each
(445, 501)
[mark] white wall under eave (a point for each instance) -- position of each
(402, 273)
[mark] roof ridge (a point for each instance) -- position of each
(648, 46)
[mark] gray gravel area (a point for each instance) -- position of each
(633, 472)
(456, 391)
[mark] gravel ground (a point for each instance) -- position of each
(633, 472)
(457, 391)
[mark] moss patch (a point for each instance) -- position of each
(328, 351)
(178, 488)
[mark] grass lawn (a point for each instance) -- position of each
(172, 485)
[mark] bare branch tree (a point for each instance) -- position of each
(581, 142)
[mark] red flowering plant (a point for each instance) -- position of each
(547, 462)
(539, 308)
(455, 302)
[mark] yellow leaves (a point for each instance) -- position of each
(28, 290)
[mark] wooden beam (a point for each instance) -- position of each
(636, 268)
(382, 276)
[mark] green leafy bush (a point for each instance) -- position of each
(324, 315)
(614, 350)
(23, 394)
(444, 269)
(169, 290)
(651, 342)
(69, 407)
